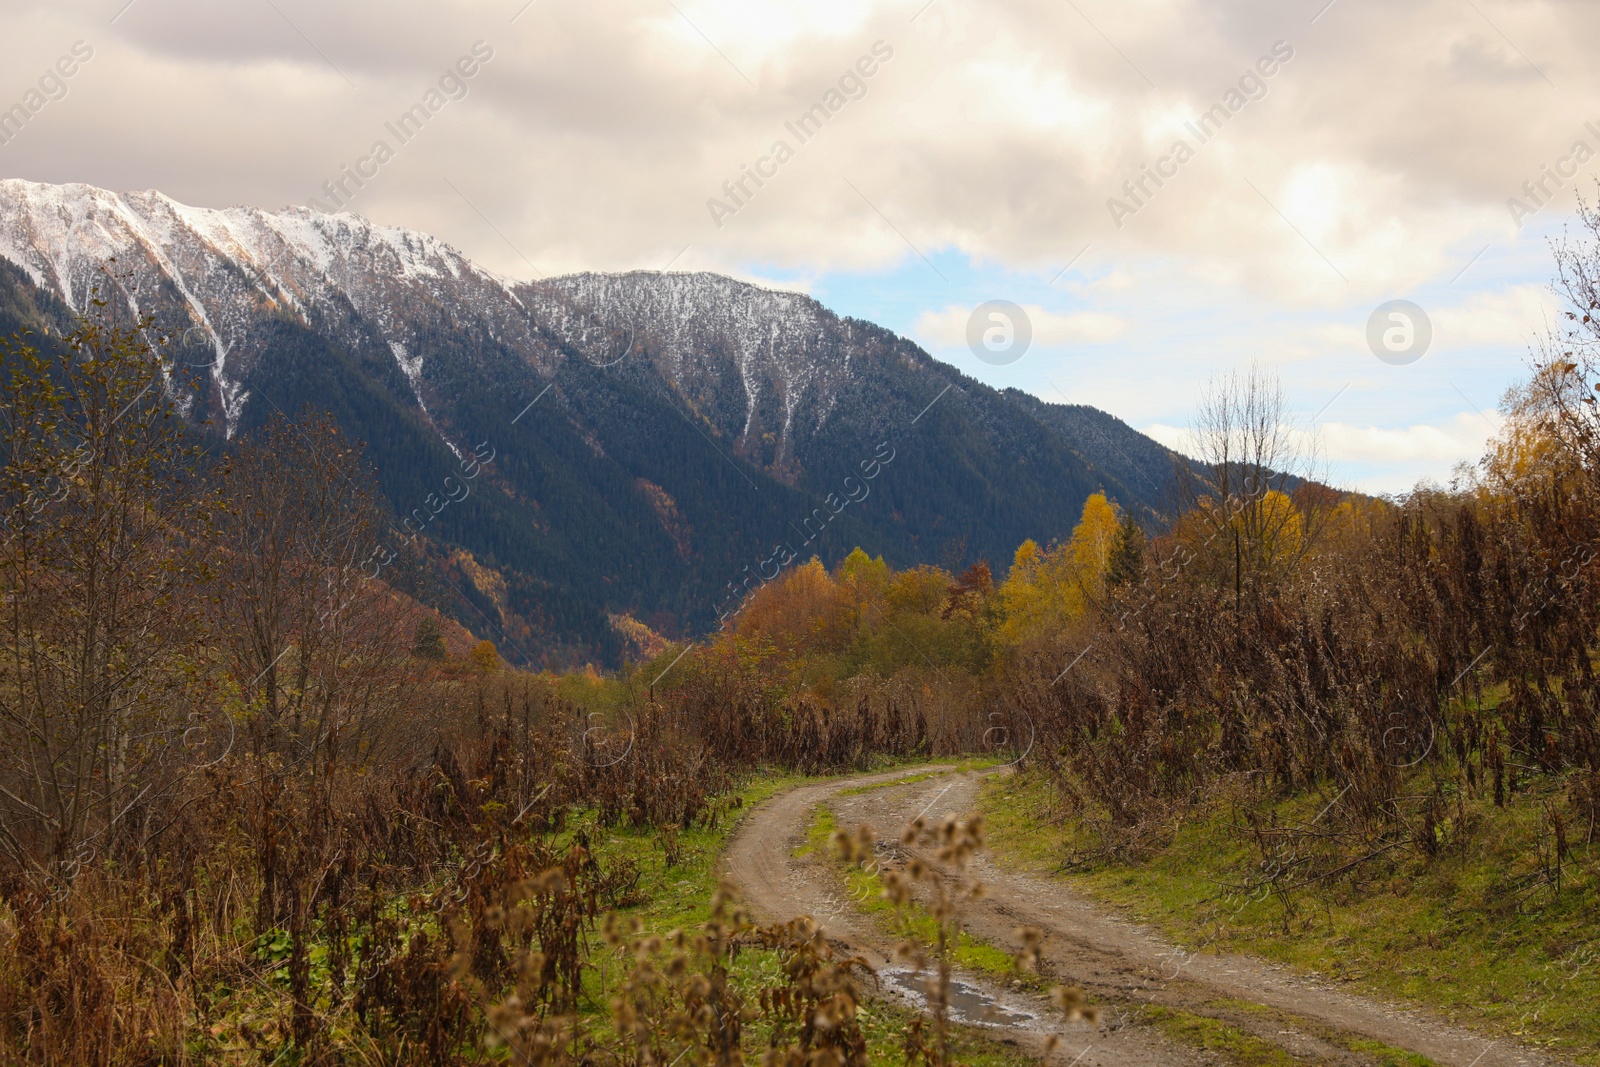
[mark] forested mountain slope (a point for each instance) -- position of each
(656, 439)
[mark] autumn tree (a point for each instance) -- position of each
(305, 610)
(1564, 395)
(863, 582)
(968, 596)
(484, 658)
(102, 559)
(1090, 547)
(1048, 590)
(1238, 519)
(802, 612)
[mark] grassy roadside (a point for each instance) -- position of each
(676, 881)
(678, 893)
(1219, 1034)
(1448, 934)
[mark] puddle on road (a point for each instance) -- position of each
(968, 1004)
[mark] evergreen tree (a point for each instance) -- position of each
(429, 642)
(1127, 554)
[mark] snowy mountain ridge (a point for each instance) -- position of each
(655, 434)
(212, 274)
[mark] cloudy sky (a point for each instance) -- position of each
(1355, 153)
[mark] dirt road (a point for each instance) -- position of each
(1150, 992)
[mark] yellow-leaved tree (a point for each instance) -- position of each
(484, 658)
(1093, 540)
(1046, 590)
(1273, 532)
(863, 580)
(801, 613)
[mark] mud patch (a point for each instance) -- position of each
(968, 1004)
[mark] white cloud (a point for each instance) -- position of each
(1378, 162)
(1460, 438)
(947, 329)
(596, 136)
(1509, 318)
(1377, 458)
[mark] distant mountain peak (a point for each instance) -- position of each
(653, 434)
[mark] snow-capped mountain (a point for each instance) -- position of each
(655, 433)
(210, 275)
